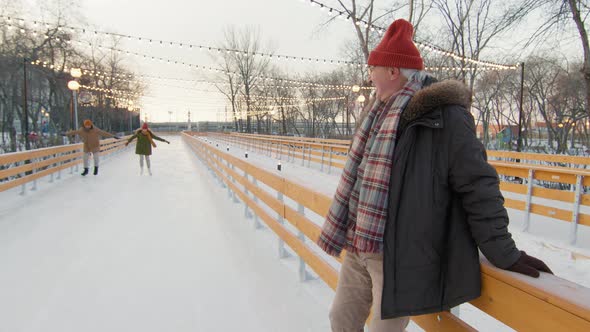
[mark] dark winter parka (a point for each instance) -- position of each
(144, 145)
(444, 203)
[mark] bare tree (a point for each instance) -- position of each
(248, 67)
(283, 96)
(47, 52)
(230, 86)
(541, 81)
(561, 15)
(472, 25)
(364, 15)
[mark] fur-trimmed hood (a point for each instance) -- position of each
(437, 94)
(433, 95)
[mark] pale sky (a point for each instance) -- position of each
(288, 27)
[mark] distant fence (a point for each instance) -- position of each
(523, 303)
(20, 168)
(540, 159)
(534, 176)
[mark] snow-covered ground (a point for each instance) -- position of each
(124, 252)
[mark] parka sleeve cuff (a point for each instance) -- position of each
(505, 261)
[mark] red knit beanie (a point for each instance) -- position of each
(144, 126)
(87, 123)
(397, 49)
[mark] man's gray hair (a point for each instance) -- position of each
(407, 72)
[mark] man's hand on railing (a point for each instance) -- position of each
(529, 265)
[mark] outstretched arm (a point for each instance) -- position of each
(73, 132)
(104, 133)
(131, 139)
(158, 138)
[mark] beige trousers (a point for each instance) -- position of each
(86, 158)
(359, 288)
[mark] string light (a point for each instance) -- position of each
(126, 77)
(293, 83)
(112, 91)
(264, 98)
(423, 45)
(190, 46)
(88, 72)
(278, 106)
(222, 71)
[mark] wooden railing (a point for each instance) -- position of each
(539, 159)
(525, 304)
(531, 181)
(327, 153)
(20, 168)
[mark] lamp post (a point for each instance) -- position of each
(130, 109)
(560, 135)
(361, 99)
(75, 86)
(25, 108)
(520, 110)
(355, 88)
(41, 118)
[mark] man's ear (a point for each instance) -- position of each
(394, 73)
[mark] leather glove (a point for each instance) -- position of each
(529, 265)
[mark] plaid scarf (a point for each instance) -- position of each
(358, 214)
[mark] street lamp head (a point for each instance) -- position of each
(356, 88)
(73, 85)
(76, 72)
(361, 99)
